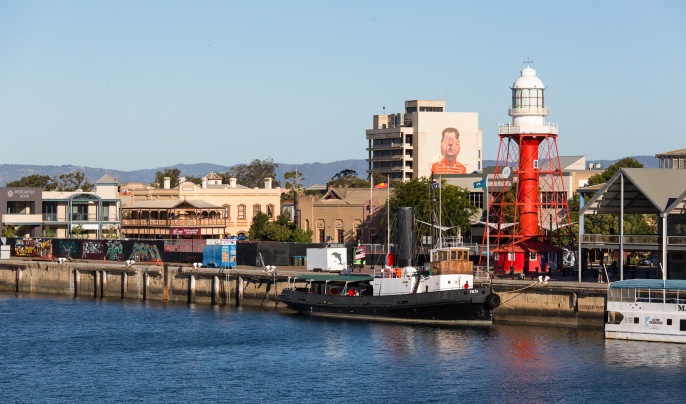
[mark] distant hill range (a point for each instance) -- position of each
(314, 173)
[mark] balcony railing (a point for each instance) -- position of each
(631, 239)
(174, 222)
(93, 218)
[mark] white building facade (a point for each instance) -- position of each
(412, 144)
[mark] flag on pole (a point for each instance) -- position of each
(480, 184)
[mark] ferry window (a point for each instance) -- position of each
(636, 320)
(669, 321)
(453, 255)
(682, 325)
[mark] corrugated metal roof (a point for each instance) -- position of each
(673, 153)
(354, 196)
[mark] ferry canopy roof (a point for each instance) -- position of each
(669, 284)
(639, 190)
(333, 278)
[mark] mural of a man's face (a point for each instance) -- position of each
(450, 146)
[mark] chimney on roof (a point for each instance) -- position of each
(167, 183)
(232, 183)
(204, 182)
(267, 183)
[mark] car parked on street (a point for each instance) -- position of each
(650, 261)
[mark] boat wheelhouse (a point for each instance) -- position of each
(647, 310)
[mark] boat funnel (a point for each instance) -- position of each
(405, 236)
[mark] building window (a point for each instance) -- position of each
(227, 211)
(321, 236)
(49, 211)
(241, 212)
(256, 209)
(270, 211)
(341, 239)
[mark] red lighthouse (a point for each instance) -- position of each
(528, 203)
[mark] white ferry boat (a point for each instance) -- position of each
(647, 310)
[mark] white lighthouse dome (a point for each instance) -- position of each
(528, 79)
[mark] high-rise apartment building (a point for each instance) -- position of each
(425, 139)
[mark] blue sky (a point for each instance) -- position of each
(144, 84)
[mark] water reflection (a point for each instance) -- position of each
(642, 353)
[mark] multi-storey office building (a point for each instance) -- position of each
(425, 139)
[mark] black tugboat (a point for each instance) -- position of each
(441, 293)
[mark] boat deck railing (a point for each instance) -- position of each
(647, 296)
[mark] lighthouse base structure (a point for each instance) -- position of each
(530, 257)
(528, 205)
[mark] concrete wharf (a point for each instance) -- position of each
(560, 301)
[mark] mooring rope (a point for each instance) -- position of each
(517, 291)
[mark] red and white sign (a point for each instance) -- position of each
(185, 231)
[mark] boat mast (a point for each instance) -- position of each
(440, 209)
(388, 214)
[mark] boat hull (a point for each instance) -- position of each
(452, 307)
(647, 310)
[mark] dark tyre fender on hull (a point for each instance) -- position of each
(493, 300)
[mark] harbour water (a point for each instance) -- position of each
(64, 350)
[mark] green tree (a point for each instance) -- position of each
(9, 231)
(293, 179)
(347, 179)
(110, 233)
(252, 175)
(611, 170)
(70, 182)
(172, 173)
(302, 236)
(456, 210)
(195, 180)
(78, 231)
(282, 229)
(49, 232)
(45, 182)
(277, 232)
(258, 227)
